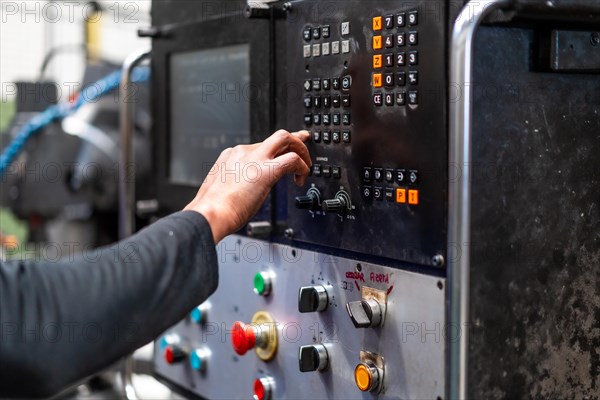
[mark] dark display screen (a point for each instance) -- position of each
(209, 109)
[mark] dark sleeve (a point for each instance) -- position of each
(62, 321)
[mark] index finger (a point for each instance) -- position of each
(282, 142)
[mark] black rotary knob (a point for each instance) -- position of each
(335, 205)
(305, 202)
(340, 204)
(310, 201)
(312, 299)
(313, 358)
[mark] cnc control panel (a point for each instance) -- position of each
(347, 297)
(373, 97)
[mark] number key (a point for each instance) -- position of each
(401, 20)
(388, 60)
(401, 59)
(400, 39)
(389, 41)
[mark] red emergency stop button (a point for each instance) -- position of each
(174, 354)
(243, 337)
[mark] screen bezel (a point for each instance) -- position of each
(213, 34)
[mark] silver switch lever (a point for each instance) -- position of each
(365, 313)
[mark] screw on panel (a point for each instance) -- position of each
(438, 260)
(595, 39)
(289, 233)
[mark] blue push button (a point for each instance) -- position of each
(197, 315)
(198, 360)
(168, 340)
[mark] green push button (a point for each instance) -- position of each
(262, 284)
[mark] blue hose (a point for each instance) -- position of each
(57, 112)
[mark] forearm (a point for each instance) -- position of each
(64, 321)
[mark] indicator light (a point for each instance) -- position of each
(366, 376)
(362, 377)
(259, 390)
(263, 388)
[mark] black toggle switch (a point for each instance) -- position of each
(365, 313)
(313, 358)
(312, 299)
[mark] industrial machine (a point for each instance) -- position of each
(64, 182)
(444, 245)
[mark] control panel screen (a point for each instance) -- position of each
(209, 109)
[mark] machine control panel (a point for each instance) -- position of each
(373, 97)
(348, 303)
(301, 341)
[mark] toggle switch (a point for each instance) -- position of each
(312, 299)
(313, 358)
(367, 313)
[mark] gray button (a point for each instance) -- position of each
(316, 50)
(346, 46)
(345, 28)
(335, 48)
(307, 51)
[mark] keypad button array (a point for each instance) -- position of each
(395, 59)
(326, 171)
(329, 136)
(394, 185)
(326, 108)
(310, 34)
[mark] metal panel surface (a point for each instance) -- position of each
(412, 340)
(535, 250)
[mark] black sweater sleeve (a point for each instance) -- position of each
(62, 321)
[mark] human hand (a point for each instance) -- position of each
(242, 178)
